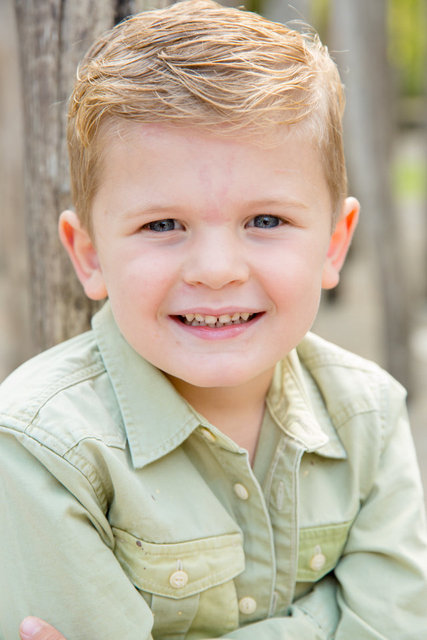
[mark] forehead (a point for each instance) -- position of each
(119, 134)
(175, 161)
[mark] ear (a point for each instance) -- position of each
(340, 243)
(83, 255)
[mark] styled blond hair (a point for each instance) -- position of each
(197, 63)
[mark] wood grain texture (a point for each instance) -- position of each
(53, 36)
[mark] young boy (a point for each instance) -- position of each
(199, 465)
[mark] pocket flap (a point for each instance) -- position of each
(180, 569)
(320, 549)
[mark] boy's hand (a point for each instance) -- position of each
(36, 629)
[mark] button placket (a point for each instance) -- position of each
(250, 513)
(255, 586)
(282, 492)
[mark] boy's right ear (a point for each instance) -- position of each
(83, 255)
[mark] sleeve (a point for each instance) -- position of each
(382, 574)
(54, 563)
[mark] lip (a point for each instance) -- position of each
(216, 333)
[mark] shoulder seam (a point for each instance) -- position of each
(28, 414)
(22, 435)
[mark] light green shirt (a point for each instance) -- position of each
(125, 515)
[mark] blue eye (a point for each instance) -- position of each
(265, 222)
(169, 224)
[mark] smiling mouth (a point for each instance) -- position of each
(224, 320)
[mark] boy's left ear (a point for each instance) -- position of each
(340, 243)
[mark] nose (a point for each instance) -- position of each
(216, 260)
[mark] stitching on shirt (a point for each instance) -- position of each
(281, 447)
(20, 434)
(383, 413)
(315, 622)
(27, 414)
(195, 586)
(294, 535)
(179, 555)
(93, 480)
(170, 443)
(70, 380)
(36, 429)
(345, 415)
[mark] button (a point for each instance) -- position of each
(241, 491)
(247, 605)
(178, 579)
(317, 562)
(208, 435)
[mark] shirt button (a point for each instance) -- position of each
(317, 562)
(178, 579)
(241, 491)
(247, 605)
(208, 435)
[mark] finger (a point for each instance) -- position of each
(35, 629)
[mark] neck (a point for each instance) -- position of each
(237, 411)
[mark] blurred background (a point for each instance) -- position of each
(380, 307)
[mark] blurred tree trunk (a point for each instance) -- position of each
(284, 11)
(14, 329)
(53, 35)
(359, 28)
(424, 22)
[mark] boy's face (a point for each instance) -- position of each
(213, 251)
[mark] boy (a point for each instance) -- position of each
(199, 465)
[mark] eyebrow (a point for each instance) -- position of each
(152, 208)
(285, 201)
(142, 210)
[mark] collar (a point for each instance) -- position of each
(157, 419)
(296, 405)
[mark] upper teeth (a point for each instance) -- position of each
(225, 318)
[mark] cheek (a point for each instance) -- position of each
(142, 274)
(293, 272)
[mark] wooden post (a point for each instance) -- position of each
(14, 326)
(53, 36)
(359, 28)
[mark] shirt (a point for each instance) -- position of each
(125, 515)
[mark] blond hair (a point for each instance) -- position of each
(198, 63)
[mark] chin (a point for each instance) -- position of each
(215, 379)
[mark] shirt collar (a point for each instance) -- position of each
(298, 409)
(157, 419)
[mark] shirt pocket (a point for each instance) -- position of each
(320, 549)
(188, 585)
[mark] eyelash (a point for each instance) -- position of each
(151, 226)
(170, 224)
(264, 217)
